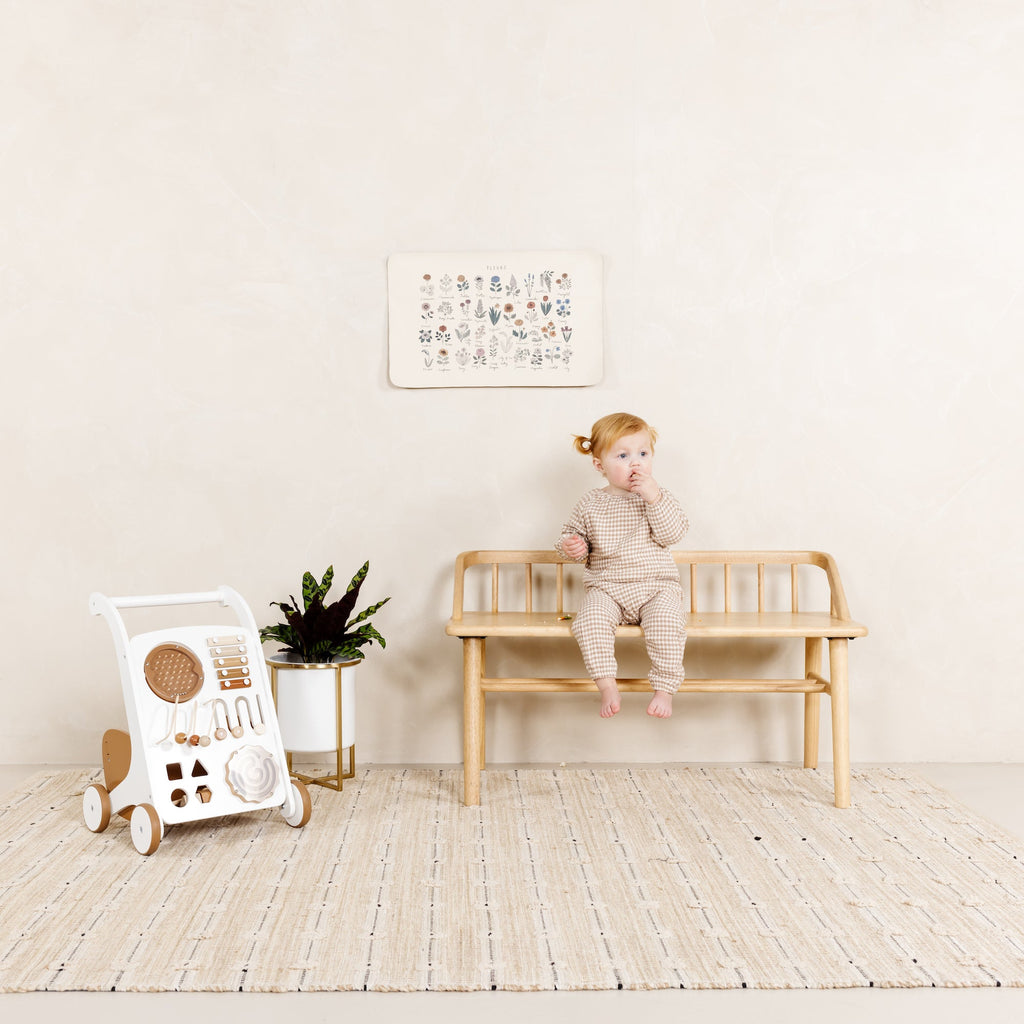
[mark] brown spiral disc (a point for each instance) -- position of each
(173, 672)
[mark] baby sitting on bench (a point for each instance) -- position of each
(622, 532)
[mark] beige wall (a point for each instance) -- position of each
(814, 206)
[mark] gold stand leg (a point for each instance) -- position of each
(335, 781)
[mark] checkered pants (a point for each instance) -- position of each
(657, 606)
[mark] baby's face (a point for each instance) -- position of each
(627, 458)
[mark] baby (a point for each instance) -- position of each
(622, 532)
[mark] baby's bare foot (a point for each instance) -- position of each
(610, 702)
(661, 705)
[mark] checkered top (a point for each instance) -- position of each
(627, 537)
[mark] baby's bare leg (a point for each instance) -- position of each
(661, 705)
(665, 632)
(610, 700)
(594, 629)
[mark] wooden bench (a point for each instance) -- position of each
(737, 616)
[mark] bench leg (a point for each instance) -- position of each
(838, 653)
(472, 717)
(813, 647)
(483, 731)
(483, 708)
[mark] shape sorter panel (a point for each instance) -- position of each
(208, 728)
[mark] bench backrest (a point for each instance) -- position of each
(759, 565)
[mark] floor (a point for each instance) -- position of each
(993, 791)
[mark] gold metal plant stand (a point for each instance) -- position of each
(335, 781)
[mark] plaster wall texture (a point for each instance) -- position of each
(810, 222)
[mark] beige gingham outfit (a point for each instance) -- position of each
(630, 578)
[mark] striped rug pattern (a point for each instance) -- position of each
(632, 878)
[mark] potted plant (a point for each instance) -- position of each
(313, 674)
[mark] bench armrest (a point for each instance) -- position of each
(840, 609)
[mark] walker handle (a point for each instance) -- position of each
(207, 597)
(108, 607)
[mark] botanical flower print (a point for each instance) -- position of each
(495, 319)
(507, 325)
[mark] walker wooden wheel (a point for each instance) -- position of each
(304, 805)
(96, 807)
(146, 829)
(173, 672)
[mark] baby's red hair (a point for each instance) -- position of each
(608, 429)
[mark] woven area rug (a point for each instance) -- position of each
(637, 878)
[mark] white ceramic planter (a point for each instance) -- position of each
(307, 711)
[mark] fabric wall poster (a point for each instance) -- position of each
(495, 319)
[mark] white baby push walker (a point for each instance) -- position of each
(203, 739)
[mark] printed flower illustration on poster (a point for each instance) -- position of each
(495, 319)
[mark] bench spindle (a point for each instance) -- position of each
(760, 588)
(529, 588)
